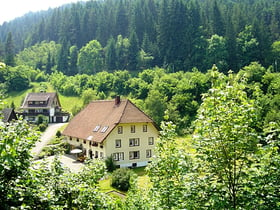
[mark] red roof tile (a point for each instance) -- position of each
(103, 113)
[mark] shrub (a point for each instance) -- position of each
(121, 178)
(58, 134)
(42, 127)
(110, 164)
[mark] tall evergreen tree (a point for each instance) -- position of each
(2, 51)
(10, 51)
(49, 64)
(110, 55)
(73, 68)
(217, 20)
(163, 31)
(133, 51)
(121, 19)
(62, 63)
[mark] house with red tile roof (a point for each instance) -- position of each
(46, 104)
(115, 128)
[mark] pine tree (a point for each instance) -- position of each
(110, 55)
(62, 64)
(73, 68)
(133, 51)
(9, 51)
(49, 64)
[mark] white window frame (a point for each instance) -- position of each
(118, 143)
(134, 155)
(132, 129)
(118, 156)
(134, 142)
(120, 129)
(148, 153)
(145, 128)
(151, 141)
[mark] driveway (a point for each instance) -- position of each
(68, 161)
(46, 137)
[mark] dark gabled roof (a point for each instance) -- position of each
(103, 115)
(8, 115)
(46, 97)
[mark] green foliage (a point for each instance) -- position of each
(110, 164)
(247, 46)
(10, 51)
(90, 58)
(172, 33)
(121, 178)
(226, 140)
(41, 52)
(16, 141)
(217, 52)
(168, 170)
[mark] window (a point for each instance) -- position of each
(132, 128)
(96, 128)
(78, 140)
(96, 154)
(118, 143)
(145, 128)
(85, 141)
(134, 142)
(120, 129)
(151, 140)
(101, 155)
(148, 153)
(70, 138)
(104, 129)
(134, 155)
(118, 156)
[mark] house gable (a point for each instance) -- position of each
(99, 118)
(117, 128)
(8, 115)
(40, 100)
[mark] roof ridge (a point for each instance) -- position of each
(126, 102)
(142, 111)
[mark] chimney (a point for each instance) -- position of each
(117, 100)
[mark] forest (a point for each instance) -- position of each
(140, 34)
(205, 71)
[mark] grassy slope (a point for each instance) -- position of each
(67, 102)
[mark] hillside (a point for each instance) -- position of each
(139, 34)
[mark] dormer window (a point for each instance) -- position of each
(104, 129)
(96, 128)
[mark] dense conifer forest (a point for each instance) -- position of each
(139, 34)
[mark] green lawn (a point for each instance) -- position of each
(143, 181)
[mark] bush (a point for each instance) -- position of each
(42, 127)
(121, 178)
(110, 164)
(58, 134)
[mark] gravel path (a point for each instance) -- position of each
(46, 138)
(69, 161)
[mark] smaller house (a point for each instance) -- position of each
(46, 104)
(8, 114)
(114, 128)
